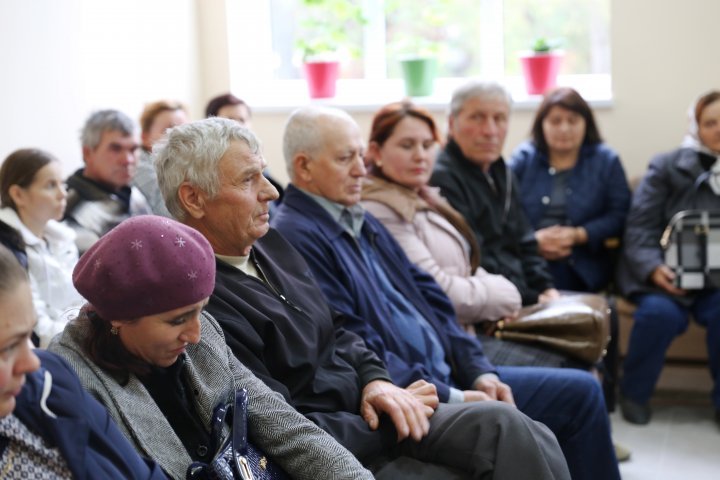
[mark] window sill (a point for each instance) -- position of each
(283, 96)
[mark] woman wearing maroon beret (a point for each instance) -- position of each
(146, 349)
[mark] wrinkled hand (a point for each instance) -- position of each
(407, 412)
(555, 242)
(663, 277)
(476, 396)
(495, 389)
(427, 394)
(547, 295)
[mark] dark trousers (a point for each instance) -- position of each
(659, 318)
(570, 402)
(478, 440)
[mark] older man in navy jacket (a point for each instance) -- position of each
(401, 312)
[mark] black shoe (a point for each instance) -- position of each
(637, 413)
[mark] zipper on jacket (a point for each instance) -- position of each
(267, 282)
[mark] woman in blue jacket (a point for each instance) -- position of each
(49, 426)
(574, 191)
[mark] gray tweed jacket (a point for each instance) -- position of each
(299, 446)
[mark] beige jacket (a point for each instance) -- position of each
(435, 245)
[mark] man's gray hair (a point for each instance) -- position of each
(303, 134)
(192, 152)
(105, 121)
(477, 89)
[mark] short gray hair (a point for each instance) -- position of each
(302, 132)
(191, 153)
(477, 89)
(104, 121)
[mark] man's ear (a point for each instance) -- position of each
(87, 153)
(192, 199)
(301, 168)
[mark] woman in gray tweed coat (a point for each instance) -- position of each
(144, 348)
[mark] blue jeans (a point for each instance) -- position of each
(570, 402)
(658, 320)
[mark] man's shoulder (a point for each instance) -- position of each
(82, 188)
(299, 217)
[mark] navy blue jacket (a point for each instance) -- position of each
(338, 266)
(83, 431)
(598, 199)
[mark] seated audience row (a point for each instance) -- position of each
(400, 311)
(277, 323)
(350, 334)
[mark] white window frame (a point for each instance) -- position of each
(250, 49)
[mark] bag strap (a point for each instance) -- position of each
(239, 427)
(239, 435)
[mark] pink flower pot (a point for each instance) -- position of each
(321, 78)
(540, 71)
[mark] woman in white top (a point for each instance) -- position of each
(32, 194)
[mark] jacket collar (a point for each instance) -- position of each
(296, 199)
(54, 231)
(586, 151)
(452, 149)
(403, 201)
(93, 190)
(690, 162)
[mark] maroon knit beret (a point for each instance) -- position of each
(145, 266)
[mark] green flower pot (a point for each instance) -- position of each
(419, 75)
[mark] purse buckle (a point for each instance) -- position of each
(245, 470)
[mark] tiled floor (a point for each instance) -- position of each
(682, 441)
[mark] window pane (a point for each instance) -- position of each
(447, 29)
(319, 29)
(469, 37)
(583, 28)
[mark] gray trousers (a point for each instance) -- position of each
(478, 440)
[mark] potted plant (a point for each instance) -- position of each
(414, 39)
(328, 30)
(419, 70)
(541, 66)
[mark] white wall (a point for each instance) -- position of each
(62, 59)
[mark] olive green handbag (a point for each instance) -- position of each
(577, 324)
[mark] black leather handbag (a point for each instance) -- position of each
(236, 458)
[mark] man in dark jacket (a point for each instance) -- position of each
(100, 195)
(474, 178)
(278, 324)
(401, 312)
